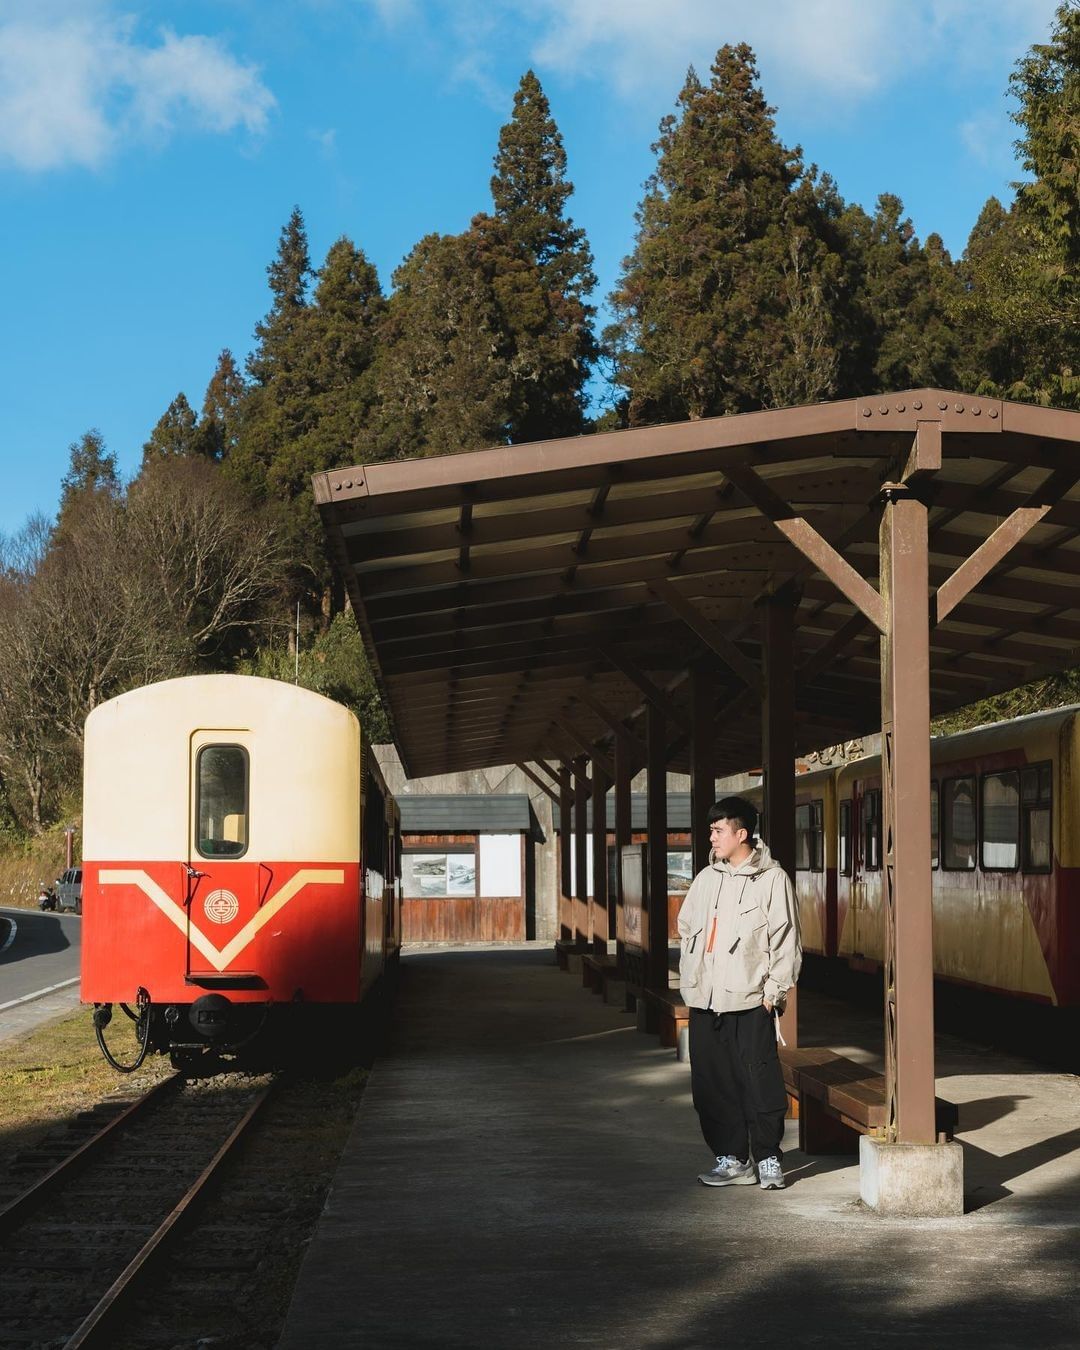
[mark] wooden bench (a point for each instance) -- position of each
(838, 1100)
(666, 1014)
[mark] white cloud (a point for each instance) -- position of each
(825, 52)
(75, 89)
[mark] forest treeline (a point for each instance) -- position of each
(751, 283)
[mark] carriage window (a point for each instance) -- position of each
(871, 830)
(808, 837)
(845, 838)
(1035, 794)
(1001, 821)
(935, 825)
(958, 801)
(221, 801)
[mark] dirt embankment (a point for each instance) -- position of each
(24, 866)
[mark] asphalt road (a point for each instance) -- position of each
(43, 953)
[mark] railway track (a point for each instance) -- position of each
(79, 1240)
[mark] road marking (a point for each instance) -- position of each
(39, 993)
(11, 936)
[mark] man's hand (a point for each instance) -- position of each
(766, 1005)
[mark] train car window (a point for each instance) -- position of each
(808, 837)
(935, 825)
(1000, 815)
(959, 824)
(871, 829)
(1035, 810)
(221, 801)
(845, 838)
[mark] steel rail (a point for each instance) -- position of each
(14, 1213)
(91, 1330)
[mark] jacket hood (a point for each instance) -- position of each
(761, 860)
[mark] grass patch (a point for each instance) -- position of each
(50, 1074)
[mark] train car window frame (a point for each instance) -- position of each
(870, 829)
(935, 825)
(1000, 775)
(1043, 773)
(846, 838)
(202, 840)
(811, 834)
(947, 823)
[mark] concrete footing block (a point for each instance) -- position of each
(573, 962)
(912, 1181)
(682, 1046)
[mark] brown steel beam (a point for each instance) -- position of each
(566, 834)
(986, 557)
(656, 892)
(584, 743)
(905, 732)
(544, 788)
(581, 849)
(624, 773)
(707, 631)
(621, 731)
(599, 921)
(655, 697)
(702, 764)
(778, 749)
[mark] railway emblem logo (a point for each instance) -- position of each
(221, 906)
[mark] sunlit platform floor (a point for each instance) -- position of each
(522, 1172)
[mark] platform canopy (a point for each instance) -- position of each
(517, 602)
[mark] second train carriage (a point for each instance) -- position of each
(241, 854)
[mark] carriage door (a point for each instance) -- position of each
(222, 874)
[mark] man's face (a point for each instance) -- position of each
(727, 839)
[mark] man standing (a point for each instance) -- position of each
(740, 955)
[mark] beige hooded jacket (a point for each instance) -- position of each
(740, 935)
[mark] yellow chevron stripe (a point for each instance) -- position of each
(219, 959)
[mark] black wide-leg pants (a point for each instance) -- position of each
(737, 1082)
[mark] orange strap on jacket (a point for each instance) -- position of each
(712, 935)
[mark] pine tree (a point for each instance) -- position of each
(907, 291)
(540, 267)
(1046, 84)
(91, 477)
(290, 276)
(219, 425)
(443, 377)
(731, 296)
(175, 434)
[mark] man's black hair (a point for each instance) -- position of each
(741, 813)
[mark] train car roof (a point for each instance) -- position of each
(251, 687)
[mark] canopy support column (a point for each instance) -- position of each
(778, 750)
(581, 850)
(702, 764)
(566, 895)
(624, 774)
(656, 891)
(905, 765)
(599, 924)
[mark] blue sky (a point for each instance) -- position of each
(150, 153)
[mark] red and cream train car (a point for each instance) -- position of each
(241, 853)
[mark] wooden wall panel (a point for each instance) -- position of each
(461, 919)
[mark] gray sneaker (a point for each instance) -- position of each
(771, 1174)
(729, 1171)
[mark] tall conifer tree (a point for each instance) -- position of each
(540, 267)
(175, 433)
(731, 296)
(219, 424)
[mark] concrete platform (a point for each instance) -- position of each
(522, 1173)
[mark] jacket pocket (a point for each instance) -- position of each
(689, 944)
